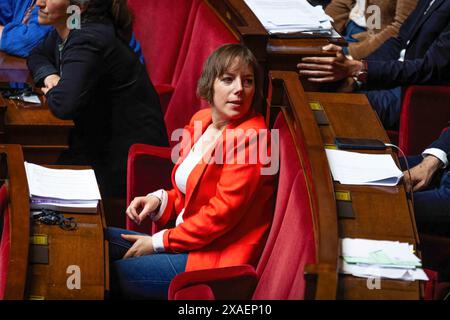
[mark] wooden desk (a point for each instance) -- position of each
(13, 69)
(84, 247)
(42, 135)
(381, 213)
(272, 52)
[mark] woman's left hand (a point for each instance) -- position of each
(142, 246)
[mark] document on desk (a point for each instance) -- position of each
(61, 183)
(362, 168)
(375, 258)
(288, 16)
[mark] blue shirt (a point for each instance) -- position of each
(19, 38)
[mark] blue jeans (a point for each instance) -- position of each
(432, 205)
(146, 277)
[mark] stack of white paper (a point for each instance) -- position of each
(286, 16)
(363, 169)
(383, 259)
(61, 189)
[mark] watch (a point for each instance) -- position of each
(360, 76)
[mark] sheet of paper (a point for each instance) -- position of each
(31, 99)
(362, 168)
(62, 184)
(378, 272)
(289, 15)
(382, 253)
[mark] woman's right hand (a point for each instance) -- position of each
(50, 82)
(141, 207)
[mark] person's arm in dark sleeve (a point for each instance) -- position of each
(443, 143)
(81, 60)
(19, 38)
(41, 61)
(434, 67)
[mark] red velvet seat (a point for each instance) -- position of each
(160, 27)
(289, 248)
(208, 33)
(425, 111)
(5, 239)
(176, 38)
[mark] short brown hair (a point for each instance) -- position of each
(219, 62)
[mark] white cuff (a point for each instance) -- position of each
(161, 194)
(158, 242)
(438, 153)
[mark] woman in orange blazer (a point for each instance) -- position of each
(222, 197)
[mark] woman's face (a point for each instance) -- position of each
(234, 91)
(53, 12)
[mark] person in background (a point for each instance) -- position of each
(20, 31)
(365, 31)
(90, 75)
(420, 54)
(430, 180)
(223, 209)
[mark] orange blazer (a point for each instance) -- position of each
(228, 207)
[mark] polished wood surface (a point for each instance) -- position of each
(287, 92)
(13, 69)
(273, 52)
(267, 47)
(84, 247)
(42, 135)
(381, 213)
(13, 173)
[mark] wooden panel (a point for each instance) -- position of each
(288, 92)
(42, 135)
(82, 248)
(13, 171)
(13, 69)
(381, 213)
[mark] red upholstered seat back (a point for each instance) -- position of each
(425, 111)
(5, 239)
(290, 245)
(208, 33)
(160, 27)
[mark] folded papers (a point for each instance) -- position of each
(382, 259)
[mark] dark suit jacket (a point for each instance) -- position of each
(427, 42)
(443, 143)
(105, 90)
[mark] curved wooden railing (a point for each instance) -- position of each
(13, 172)
(289, 94)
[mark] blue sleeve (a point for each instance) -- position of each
(6, 12)
(136, 47)
(443, 143)
(19, 39)
(434, 67)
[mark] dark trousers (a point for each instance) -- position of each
(432, 205)
(387, 104)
